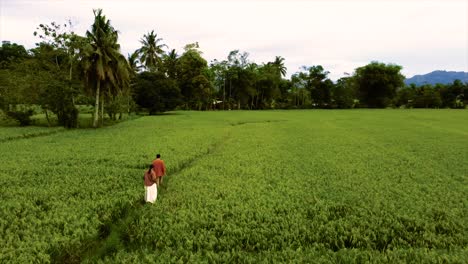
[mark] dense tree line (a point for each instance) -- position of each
(454, 95)
(65, 70)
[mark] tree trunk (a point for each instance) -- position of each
(70, 80)
(47, 117)
(128, 105)
(102, 110)
(96, 105)
(261, 101)
(230, 86)
(224, 94)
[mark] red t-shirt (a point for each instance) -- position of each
(159, 167)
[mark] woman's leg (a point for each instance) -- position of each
(146, 194)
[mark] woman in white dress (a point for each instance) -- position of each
(151, 190)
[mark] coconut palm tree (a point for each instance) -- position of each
(104, 67)
(151, 51)
(170, 63)
(133, 62)
(279, 65)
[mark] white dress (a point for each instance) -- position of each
(151, 193)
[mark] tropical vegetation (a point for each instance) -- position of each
(71, 71)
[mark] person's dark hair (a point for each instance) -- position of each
(158, 156)
(150, 167)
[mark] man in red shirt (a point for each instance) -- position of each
(159, 168)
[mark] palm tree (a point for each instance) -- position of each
(103, 64)
(170, 63)
(279, 65)
(133, 62)
(151, 51)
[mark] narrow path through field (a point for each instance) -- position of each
(112, 234)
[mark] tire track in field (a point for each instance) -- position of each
(32, 135)
(112, 235)
(240, 123)
(55, 131)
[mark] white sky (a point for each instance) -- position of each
(340, 35)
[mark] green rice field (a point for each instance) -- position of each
(314, 186)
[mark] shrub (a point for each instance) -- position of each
(23, 117)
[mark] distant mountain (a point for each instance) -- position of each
(435, 77)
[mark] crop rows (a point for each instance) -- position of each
(59, 191)
(309, 186)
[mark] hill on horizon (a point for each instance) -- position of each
(443, 77)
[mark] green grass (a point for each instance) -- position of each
(380, 186)
(85, 119)
(9, 129)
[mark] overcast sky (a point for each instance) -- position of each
(340, 35)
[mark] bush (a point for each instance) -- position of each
(23, 117)
(58, 99)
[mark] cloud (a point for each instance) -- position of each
(422, 35)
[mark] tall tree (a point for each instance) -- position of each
(134, 62)
(278, 63)
(299, 95)
(151, 51)
(377, 83)
(17, 91)
(11, 55)
(343, 93)
(104, 66)
(315, 80)
(427, 97)
(240, 77)
(405, 96)
(156, 92)
(192, 76)
(170, 64)
(58, 52)
(11, 52)
(267, 86)
(219, 72)
(453, 94)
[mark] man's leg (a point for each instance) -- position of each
(158, 181)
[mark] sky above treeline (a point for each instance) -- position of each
(340, 35)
